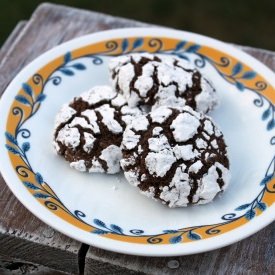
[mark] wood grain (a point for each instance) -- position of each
(24, 237)
(13, 266)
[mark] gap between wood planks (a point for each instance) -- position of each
(82, 257)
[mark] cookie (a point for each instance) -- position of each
(161, 80)
(88, 131)
(177, 156)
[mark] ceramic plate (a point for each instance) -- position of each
(104, 210)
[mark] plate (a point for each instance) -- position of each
(104, 210)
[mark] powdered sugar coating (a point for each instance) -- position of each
(161, 80)
(160, 114)
(185, 126)
(89, 142)
(69, 136)
(65, 113)
(159, 163)
(169, 162)
(112, 156)
(107, 112)
(98, 94)
(88, 130)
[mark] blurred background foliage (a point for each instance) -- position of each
(246, 22)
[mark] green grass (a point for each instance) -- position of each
(246, 22)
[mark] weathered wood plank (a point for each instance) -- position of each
(13, 266)
(49, 26)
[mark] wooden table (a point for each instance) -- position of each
(28, 244)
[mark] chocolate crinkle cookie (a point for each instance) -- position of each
(161, 80)
(177, 156)
(88, 131)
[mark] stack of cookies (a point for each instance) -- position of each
(152, 123)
